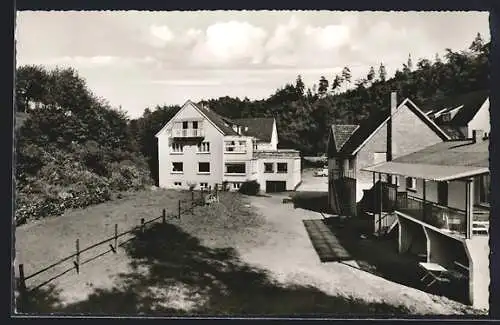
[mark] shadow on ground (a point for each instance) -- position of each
(210, 281)
(312, 201)
(380, 257)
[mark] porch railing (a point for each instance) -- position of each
(442, 217)
(341, 173)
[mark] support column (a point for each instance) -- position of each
(469, 208)
(427, 245)
(380, 201)
(423, 199)
(374, 191)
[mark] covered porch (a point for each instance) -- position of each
(440, 220)
(444, 197)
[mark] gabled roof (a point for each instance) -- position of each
(221, 122)
(377, 120)
(451, 153)
(471, 103)
(214, 118)
(341, 133)
(259, 127)
(443, 161)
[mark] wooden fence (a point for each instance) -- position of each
(111, 242)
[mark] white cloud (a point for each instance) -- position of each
(294, 43)
(97, 61)
(282, 36)
(187, 82)
(231, 53)
(161, 35)
(226, 42)
(328, 37)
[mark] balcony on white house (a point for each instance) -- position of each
(235, 146)
(188, 129)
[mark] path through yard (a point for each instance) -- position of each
(286, 251)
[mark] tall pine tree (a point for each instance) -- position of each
(382, 73)
(323, 86)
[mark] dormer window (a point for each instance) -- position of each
(446, 117)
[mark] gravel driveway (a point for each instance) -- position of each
(287, 253)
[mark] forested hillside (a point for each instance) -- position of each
(303, 114)
(72, 149)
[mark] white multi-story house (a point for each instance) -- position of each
(200, 148)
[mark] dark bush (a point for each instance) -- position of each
(250, 188)
(30, 159)
(89, 159)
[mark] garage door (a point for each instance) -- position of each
(275, 186)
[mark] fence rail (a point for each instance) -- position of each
(113, 244)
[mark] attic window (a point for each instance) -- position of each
(446, 117)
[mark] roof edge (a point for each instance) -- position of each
(419, 114)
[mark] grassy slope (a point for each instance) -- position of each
(43, 242)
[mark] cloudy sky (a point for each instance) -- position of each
(139, 59)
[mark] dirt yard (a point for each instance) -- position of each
(286, 251)
(242, 256)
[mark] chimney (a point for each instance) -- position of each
(394, 104)
(477, 135)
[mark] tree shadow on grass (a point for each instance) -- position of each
(210, 281)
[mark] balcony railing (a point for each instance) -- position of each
(341, 173)
(442, 217)
(188, 133)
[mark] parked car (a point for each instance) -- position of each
(323, 172)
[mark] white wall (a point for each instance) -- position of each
(479, 277)
(292, 176)
(297, 172)
(456, 192)
(481, 120)
(265, 146)
(274, 137)
(431, 191)
(190, 156)
(217, 157)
